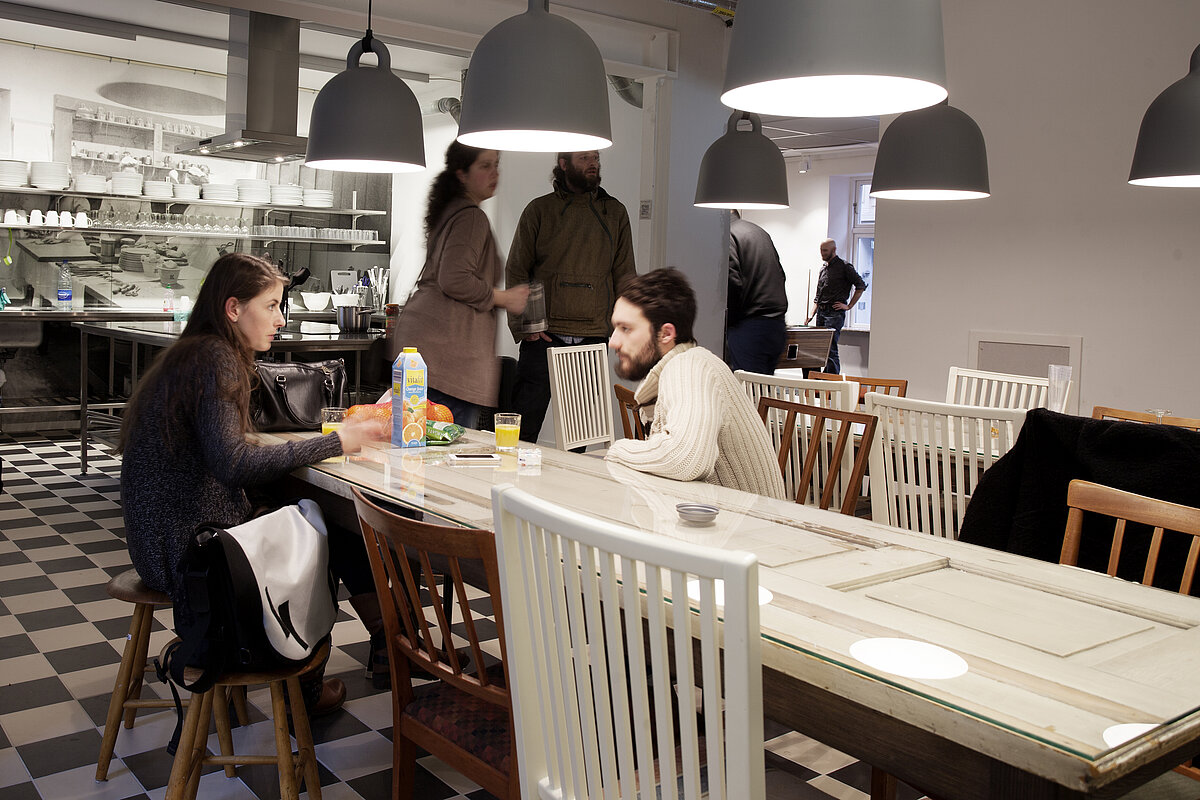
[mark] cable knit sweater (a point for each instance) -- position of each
(704, 427)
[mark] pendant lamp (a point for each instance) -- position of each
(1167, 153)
(366, 119)
(935, 153)
(536, 83)
(742, 169)
(835, 58)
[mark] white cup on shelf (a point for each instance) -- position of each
(52, 218)
(35, 217)
(10, 216)
(81, 220)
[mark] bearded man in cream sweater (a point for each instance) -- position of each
(702, 424)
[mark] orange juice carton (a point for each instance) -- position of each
(409, 382)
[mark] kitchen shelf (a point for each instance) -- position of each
(165, 234)
(357, 212)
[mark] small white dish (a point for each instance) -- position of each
(697, 513)
(315, 301)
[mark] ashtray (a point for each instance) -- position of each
(697, 513)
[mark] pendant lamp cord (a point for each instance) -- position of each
(367, 38)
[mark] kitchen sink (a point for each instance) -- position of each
(20, 332)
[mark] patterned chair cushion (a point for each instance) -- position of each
(478, 727)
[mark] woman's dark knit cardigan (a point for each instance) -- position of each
(199, 477)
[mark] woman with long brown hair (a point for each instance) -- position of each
(185, 458)
(451, 317)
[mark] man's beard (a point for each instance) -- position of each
(639, 365)
(577, 179)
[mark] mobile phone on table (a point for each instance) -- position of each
(474, 459)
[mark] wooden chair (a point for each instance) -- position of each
(927, 458)
(581, 395)
(462, 718)
(294, 768)
(597, 695)
(976, 387)
(813, 455)
(1084, 496)
(630, 421)
(1104, 412)
(897, 387)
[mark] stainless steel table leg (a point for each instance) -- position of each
(83, 400)
(358, 376)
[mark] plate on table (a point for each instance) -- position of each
(697, 513)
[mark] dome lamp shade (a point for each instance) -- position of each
(742, 169)
(835, 58)
(1168, 143)
(536, 83)
(935, 153)
(366, 119)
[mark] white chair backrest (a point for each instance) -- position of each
(840, 395)
(975, 387)
(927, 458)
(589, 712)
(581, 395)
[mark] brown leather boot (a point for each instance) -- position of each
(366, 606)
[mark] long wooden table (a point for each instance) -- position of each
(1056, 656)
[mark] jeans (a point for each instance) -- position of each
(835, 320)
(531, 395)
(465, 414)
(755, 344)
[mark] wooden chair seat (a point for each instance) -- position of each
(127, 586)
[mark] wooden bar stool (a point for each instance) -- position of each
(127, 691)
(294, 768)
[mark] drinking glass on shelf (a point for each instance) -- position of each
(1159, 413)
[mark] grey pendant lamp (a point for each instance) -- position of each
(536, 83)
(1168, 144)
(835, 58)
(934, 153)
(366, 119)
(742, 169)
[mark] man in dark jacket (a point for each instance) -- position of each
(577, 242)
(838, 277)
(756, 331)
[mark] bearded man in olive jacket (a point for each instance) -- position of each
(575, 240)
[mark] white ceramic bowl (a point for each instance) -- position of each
(350, 299)
(315, 301)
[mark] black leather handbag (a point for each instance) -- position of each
(290, 395)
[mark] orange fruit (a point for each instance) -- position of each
(376, 411)
(436, 412)
(413, 431)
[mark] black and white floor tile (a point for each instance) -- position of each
(61, 637)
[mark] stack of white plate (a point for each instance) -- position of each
(220, 191)
(92, 184)
(131, 258)
(49, 174)
(253, 190)
(127, 183)
(13, 173)
(158, 189)
(318, 198)
(288, 194)
(187, 191)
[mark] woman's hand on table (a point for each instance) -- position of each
(357, 431)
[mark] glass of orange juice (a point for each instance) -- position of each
(508, 431)
(331, 419)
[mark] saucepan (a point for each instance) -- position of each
(354, 319)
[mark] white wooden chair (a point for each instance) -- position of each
(836, 395)
(927, 457)
(594, 697)
(581, 395)
(976, 387)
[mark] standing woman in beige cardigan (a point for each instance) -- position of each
(451, 317)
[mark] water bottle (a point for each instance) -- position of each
(169, 301)
(183, 308)
(64, 287)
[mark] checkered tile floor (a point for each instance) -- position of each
(61, 636)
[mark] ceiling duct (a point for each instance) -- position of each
(261, 93)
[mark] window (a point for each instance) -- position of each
(862, 249)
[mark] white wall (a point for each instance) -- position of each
(1064, 245)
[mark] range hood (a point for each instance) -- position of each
(261, 92)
